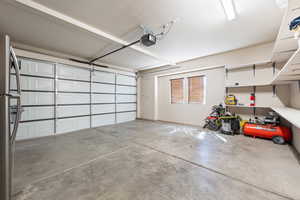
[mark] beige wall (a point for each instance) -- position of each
(295, 95)
(296, 138)
(146, 98)
(192, 114)
(295, 103)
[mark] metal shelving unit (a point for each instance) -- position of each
(240, 88)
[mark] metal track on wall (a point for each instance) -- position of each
(55, 101)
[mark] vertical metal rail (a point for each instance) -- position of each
(226, 72)
(274, 90)
(274, 68)
(136, 97)
(55, 98)
(115, 98)
(4, 122)
(91, 118)
(254, 92)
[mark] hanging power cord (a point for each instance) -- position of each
(163, 30)
(166, 28)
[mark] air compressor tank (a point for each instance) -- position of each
(279, 134)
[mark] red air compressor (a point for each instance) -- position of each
(268, 128)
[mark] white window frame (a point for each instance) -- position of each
(186, 90)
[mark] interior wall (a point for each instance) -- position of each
(295, 95)
(215, 84)
(190, 113)
(146, 98)
(295, 103)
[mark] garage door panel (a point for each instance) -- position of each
(68, 111)
(103, 77)
(125, 117)
(102, 120)
(37, 98)
(126, 80)
(33, 83)
(73, 86)
(103, 88)
(126, 107)
(126, 98)
(71, 72)
(126, 90)
(37, 113)
(103, 98)
(29, 130)
(72, 124)
(70, 98)
(107, 108)
(31, 67)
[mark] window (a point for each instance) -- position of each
(177, 91)
(196, 89)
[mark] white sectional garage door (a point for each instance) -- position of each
(103, 98)
(38, 98)
(60, 98)
(72, 98)
(125, 98)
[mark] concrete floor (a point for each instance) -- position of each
(153, 160)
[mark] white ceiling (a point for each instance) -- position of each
(30, 28)
(202, 28)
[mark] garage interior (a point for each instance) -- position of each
(113, 100)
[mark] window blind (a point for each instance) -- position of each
(177, 91)
(196, 89)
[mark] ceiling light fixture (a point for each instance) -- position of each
(229, 9)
